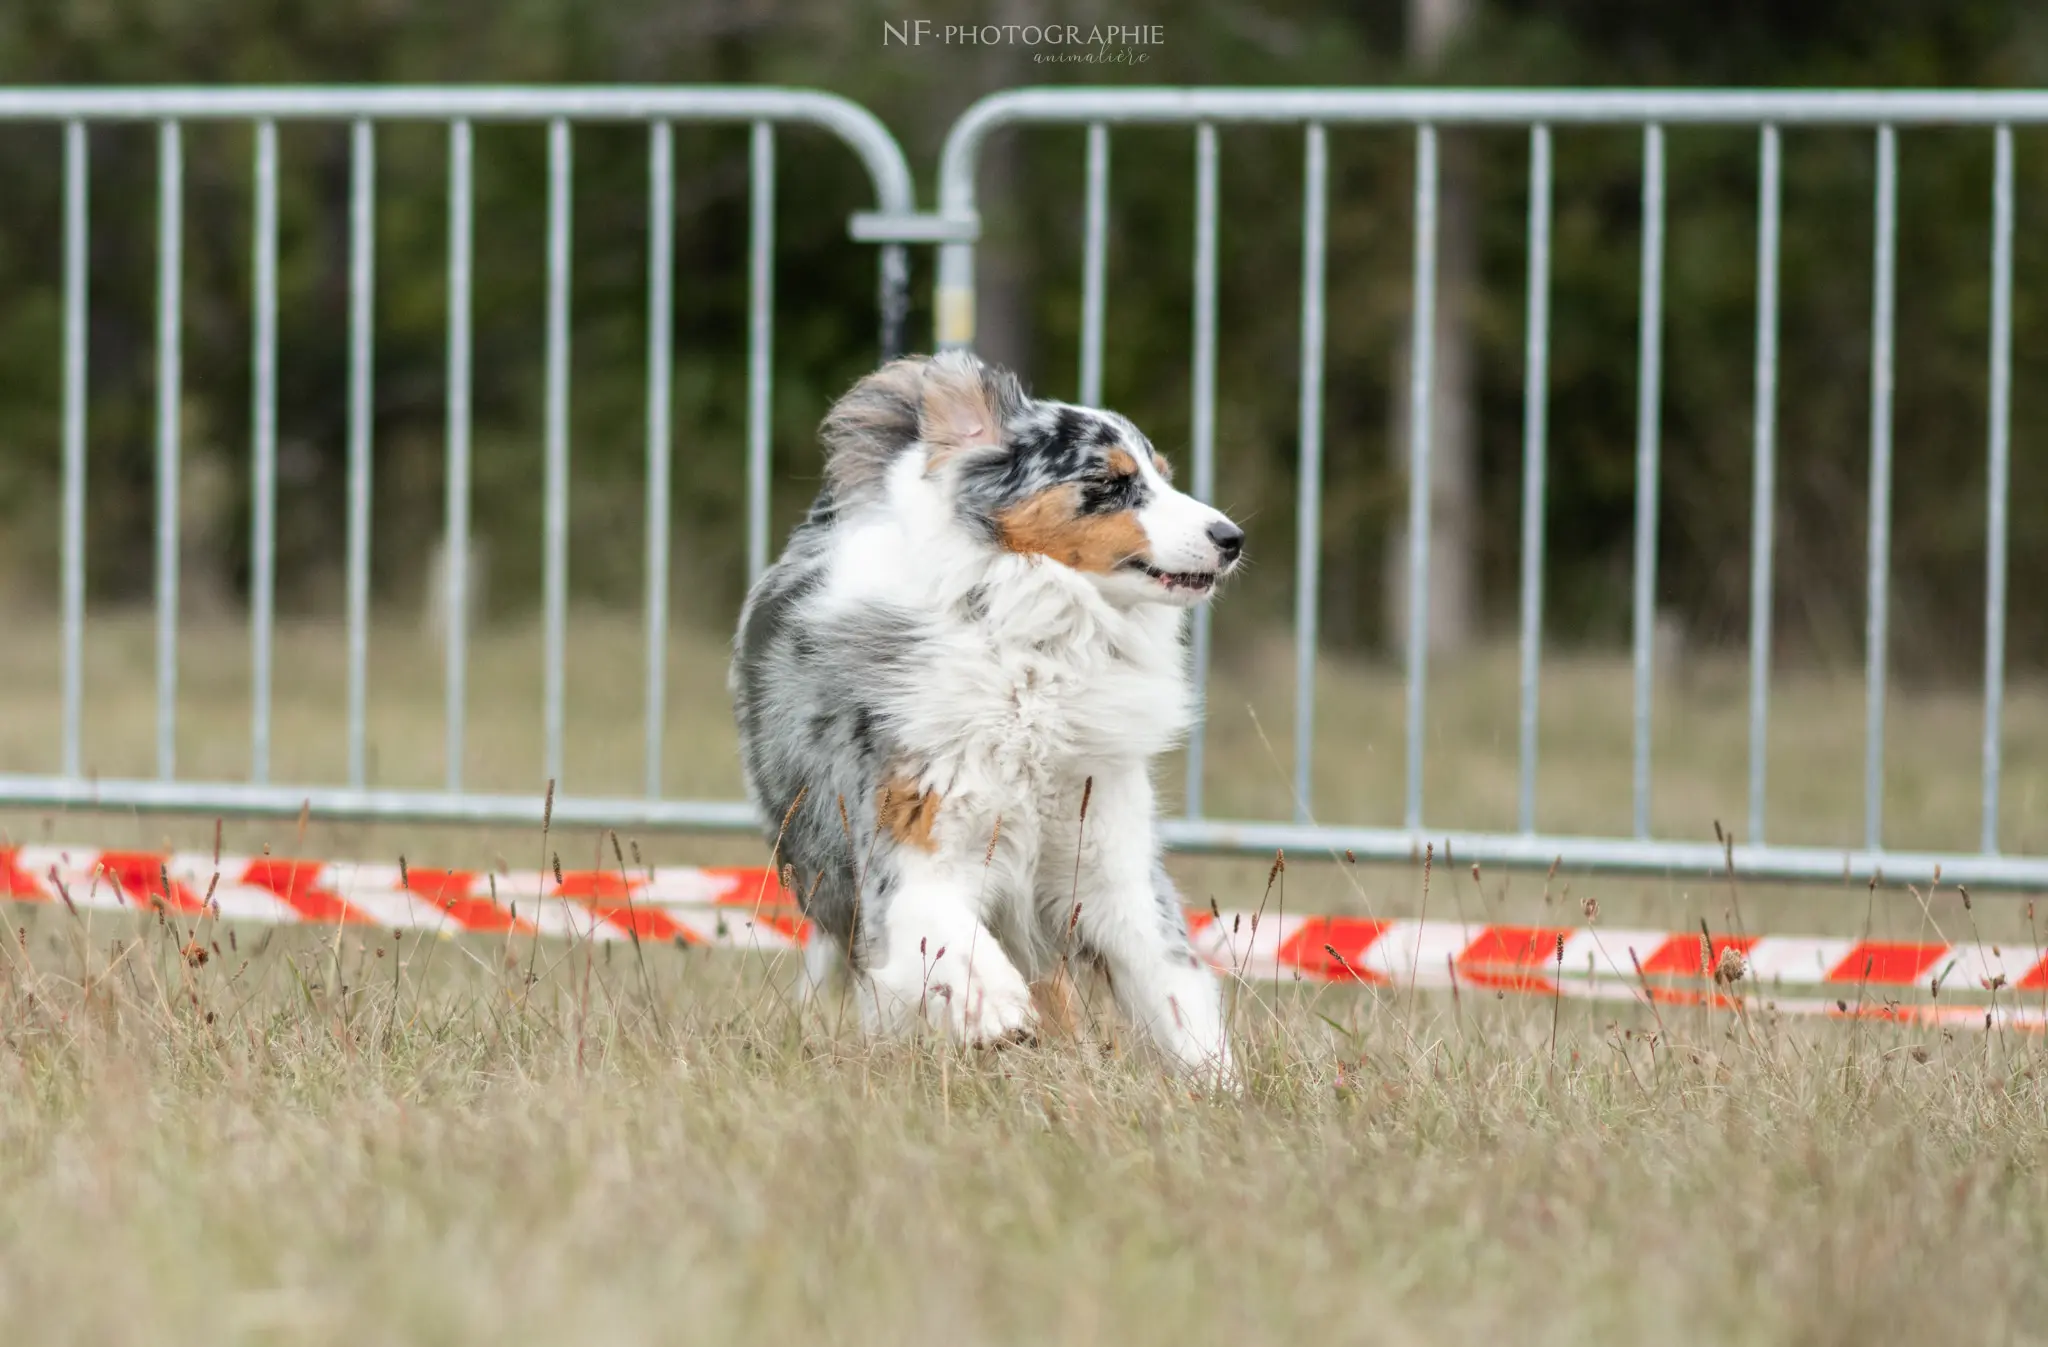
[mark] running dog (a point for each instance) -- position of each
(950, 689)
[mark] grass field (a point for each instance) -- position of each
(311, 1137)
(384, 1141)
(1815, 790)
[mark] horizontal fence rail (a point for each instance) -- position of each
(559, 111)
(1426, 111)
(895, 225)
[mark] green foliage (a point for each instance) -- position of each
(825, 291)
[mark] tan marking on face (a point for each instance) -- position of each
(1051, 524)
(1121, 464)
(1164, 468)
(907, 815)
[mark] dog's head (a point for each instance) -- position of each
(1080, 487)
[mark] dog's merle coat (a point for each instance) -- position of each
(974, 640)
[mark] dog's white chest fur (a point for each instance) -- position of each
(1029, 684)
(1044, 682)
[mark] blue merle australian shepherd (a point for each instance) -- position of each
(950, 689)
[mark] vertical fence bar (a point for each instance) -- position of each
(362, 254)
(455, 529)
(555, 521)
(1997, 476)
(1763, 506)
(760, 336)
(1308, 508)
(661, 226)
(1535, 428)
(76, 181)
(1878, 617)
(1421, 390)
(1649, 374)
(263, 455)
(1095, 263)
(894, 297)
(170, 247)
(1203, 415)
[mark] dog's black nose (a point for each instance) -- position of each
(1229, 539)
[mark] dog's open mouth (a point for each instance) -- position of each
(1190, 582)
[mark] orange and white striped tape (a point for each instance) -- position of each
(692, 905)
(746, 908)
(1591, 963)
(1369, 950)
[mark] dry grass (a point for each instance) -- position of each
(313, 1137)
(1700, 744)
(1700, 734)
(380, 1140)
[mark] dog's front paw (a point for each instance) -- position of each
(987, 1009)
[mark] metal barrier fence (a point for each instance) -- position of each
(1426, 111)
(560, 108)
(896, 224)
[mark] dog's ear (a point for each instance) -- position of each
(874, 422)
(963, 406)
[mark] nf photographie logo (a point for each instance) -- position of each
(1054, 44)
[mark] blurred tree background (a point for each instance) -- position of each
(1030, 267)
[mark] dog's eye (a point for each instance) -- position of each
(1107, 491)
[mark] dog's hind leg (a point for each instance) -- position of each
(824, 965)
